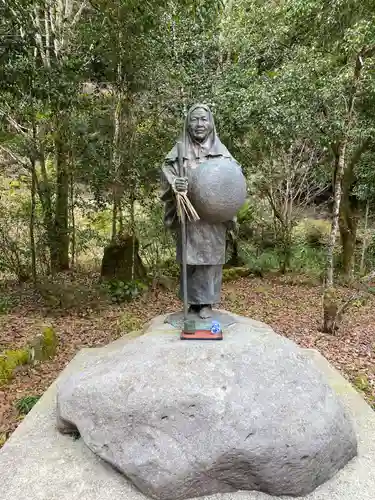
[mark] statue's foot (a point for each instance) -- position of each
(194, 309)
(205, 312)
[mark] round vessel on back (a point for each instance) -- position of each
(217, 189)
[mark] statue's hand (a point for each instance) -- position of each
(181, 184)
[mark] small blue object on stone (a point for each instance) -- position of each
(215, 327)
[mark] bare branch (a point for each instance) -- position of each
(78, 14)
(38, 35)
(15, 124)
(48, 41)
(16, 157)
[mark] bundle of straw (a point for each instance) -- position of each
(184, 206)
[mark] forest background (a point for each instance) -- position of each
(93, 95)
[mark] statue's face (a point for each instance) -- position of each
(200, 124)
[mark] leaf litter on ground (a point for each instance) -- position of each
(292, 308)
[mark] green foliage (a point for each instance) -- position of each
(124, 291)
(260, 262)
(308, 260)
(6, 304)
(97, 116)
(313, 232)
(157, 246)
(304, 259)
(245, 214)
(170, 268)
(25, 404)
(14, 215)
(370, 253)
(9, 361)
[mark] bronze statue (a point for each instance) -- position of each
(214, 183)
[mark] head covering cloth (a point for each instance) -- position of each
(212, 146)
(192, 151)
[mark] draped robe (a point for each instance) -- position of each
(206, 241)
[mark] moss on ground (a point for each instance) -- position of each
(42, 347)
(233, 273)
(128, 322)
(49, 342)
(9, 360)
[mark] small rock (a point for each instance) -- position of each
(43, 346)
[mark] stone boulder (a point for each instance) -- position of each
(118, 257)
(183, 419)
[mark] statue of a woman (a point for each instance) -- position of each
(206, 241)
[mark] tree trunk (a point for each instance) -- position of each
(339, 172)
(340, 161)
(32, 222)
(44, 192)
(348, 222)
(116, 162)
(120, 218)
(132, 232)
(365, 239)
(72, 221)
(349, 216)
(284, 237)
(114, 218)
(61, 208)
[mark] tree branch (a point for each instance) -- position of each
(79, 13)
(15, 124)
(16, 157)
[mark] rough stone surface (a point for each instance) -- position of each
(121, 260)
(52, 466)
(185, 419)
(217, 189)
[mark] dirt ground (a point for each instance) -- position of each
(291, 306)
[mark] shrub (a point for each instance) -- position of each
(259, 262)
(170, 268)
(6, 304)
(308, 260)
(124, 291)
(246, 213)
(255, 223)
(157, 244)
(313, 232)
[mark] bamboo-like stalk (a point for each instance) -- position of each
(185, 206)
